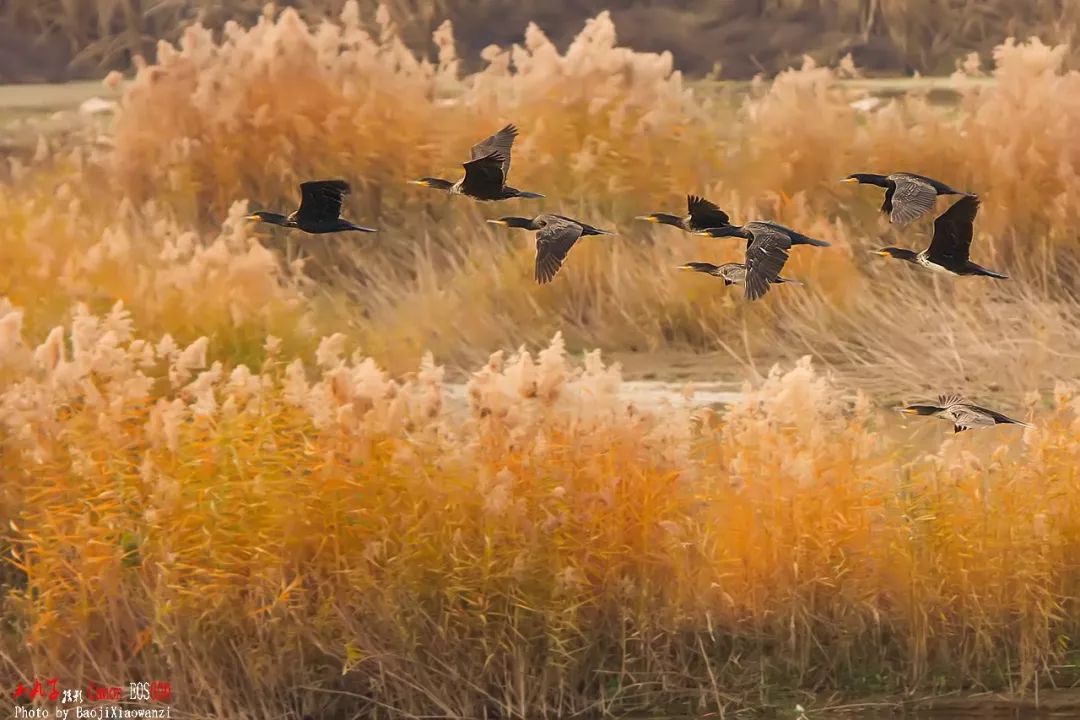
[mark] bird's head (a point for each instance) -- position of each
(896, 253)
(697, 267)
(430, 182)
(866, 179)
(515, 222)
(726, 231)
(661, 218)
(921, 410)
(266, 217)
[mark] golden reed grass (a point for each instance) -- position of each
(253, 114)
(280, 526)
(323, 538)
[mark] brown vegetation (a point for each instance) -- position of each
(266, 539)
(206, 475)
(363, 107)
(745, 37)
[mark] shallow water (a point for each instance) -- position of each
(643, 394)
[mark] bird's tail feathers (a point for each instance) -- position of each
(993, 274)
(529, 195)
(1001, 419)
(817, 243)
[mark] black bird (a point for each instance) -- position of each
(951, 243)
(962, 414)
(767, 246)
(319, 211)
(731, 273)
(555, 235)
(907, 196)
(701, 215)
(485, 172)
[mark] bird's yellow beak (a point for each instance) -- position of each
(909, 411)
(497, 222)
(421, 183)
(684, 267)
(647, 218)
(253, 217)
(849, 180)
(882, 253)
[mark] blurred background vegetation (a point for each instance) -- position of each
(239, 458)
(49, 40)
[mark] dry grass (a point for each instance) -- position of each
(185, 498)
(268, 540)
(922, 35)
(353, 109)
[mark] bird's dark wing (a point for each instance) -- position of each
(912, 198)
(945, 401)
(321, 200)
(940, 187)
(501, 142)
(765, 258)
(553, 242)
(999, 417)
(705, 214)
(484, 175)
(952, 233)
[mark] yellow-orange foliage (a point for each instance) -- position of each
(541, 536)
(607, 134)
(271, 522)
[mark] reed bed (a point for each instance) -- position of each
(246, 118)
(232, 459)
(921, 35)
(330, 541)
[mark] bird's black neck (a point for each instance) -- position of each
(904, 254)
(521, 222)
(276, 219)
(872, 179)
(924, 409)
(703, 267)
(439, 184)
(666, 219)
(729, 231)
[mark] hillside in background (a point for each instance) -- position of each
(49, 40)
